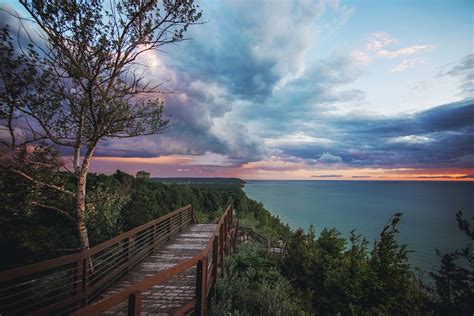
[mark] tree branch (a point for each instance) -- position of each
(58, 210)
(47, 185)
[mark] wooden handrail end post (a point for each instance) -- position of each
(201, 287)
(221, 250)
(135, 303)
(194, 215)
(215, 258)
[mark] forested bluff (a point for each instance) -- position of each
(323, 273)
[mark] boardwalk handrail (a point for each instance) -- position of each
(248, 234)
(64, 284)
(207, 264)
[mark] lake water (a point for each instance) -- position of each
(429, 210)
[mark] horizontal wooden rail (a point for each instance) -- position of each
(67, 283)
(206, 263)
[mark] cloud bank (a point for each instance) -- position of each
(249, 92)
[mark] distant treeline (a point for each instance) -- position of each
(201, 180)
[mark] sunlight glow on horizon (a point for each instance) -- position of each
(182, 166)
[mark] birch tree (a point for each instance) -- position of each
(87, 87)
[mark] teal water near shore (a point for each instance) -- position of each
(429, 209)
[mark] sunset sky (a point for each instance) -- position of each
(359, 90)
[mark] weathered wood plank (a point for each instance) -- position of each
(179, 290)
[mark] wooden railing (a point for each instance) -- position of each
(67, 283)
(248, 234)
(208, 264)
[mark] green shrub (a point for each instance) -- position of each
(254, 285)
(342, 280)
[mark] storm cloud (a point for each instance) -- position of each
(248, 87)
(438, 137)
(234, 70)
(243, 89)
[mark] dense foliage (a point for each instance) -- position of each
(328, 274)
(254, 285)
(455, 278)
(353, 280)
(332, 275)
(115, 204)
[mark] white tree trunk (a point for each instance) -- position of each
(77, 161)
(81, 200)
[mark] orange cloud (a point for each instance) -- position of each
(271, 169)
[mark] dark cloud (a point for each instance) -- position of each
(327, 176)
(440, 137)
(432, 177)
(235, 62)
(454, 116)
(361, 177)
(435, 138)
(467, 176)
(250, 48)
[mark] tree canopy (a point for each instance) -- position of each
(80, 83)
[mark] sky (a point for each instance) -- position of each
(313, 90)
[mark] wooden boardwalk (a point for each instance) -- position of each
(166, 298)
(165, 267)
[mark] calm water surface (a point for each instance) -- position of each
(429, 209)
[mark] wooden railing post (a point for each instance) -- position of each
(168, 229)
(79, 278)
(129, 250)
(234, 236)
(231, 216)
(225, 235)
(154, 235)
(221, 249)
(201, 287)
(85, 262)
(135, 303)
(229, 229)
(194, 216)
(215, 258)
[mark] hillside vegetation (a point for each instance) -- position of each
(323, 273)
(115, 204)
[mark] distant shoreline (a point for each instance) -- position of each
(224, 180)
(203, 180)
(364, 180)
